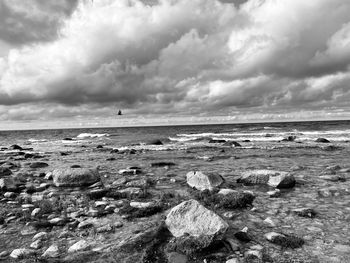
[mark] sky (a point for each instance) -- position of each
(74, 63)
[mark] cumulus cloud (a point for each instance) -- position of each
(23, 22)
(177, 56)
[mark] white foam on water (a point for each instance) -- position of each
(37, 140)
(92, 135)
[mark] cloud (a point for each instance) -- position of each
(23, 22)
(181, 57)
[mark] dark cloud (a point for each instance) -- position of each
(22, 22)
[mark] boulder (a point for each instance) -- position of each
(201, 181)
(322, 140)
(190, 217)
(75, 177)
(272, 178)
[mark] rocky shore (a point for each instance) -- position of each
(223, 203)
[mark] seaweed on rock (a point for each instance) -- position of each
(189, 245)
(229, 201)
(132, 212)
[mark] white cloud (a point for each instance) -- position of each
(187, 57)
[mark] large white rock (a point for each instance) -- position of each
(75, 176)
(272, 178)
(202, 181)
(196, 220)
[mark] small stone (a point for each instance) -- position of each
(9, 195)
(52, 252)
(129, 171)
(40, 236)
(35, 212)
(28, 206)
(48, 176)
(118, 224)
(322, 140)
(105, 228)
(4, 254)
(141, 204)
(28, 230)
(232, 260)
(21, 253)
(229, 215)
(57, 221)
(101, 203)
(269, 221)
(81, 245)
(37, 244)
(287, 241)
(93, 212)
(305, 212)
(274, 193)
(85, 224)
(243, 235)
(233, 244)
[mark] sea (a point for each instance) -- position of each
(183, 137)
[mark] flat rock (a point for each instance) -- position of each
(194, 219)
(201, 181)
(75, 177)
(272, 178)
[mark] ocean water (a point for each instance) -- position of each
(180, 137)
